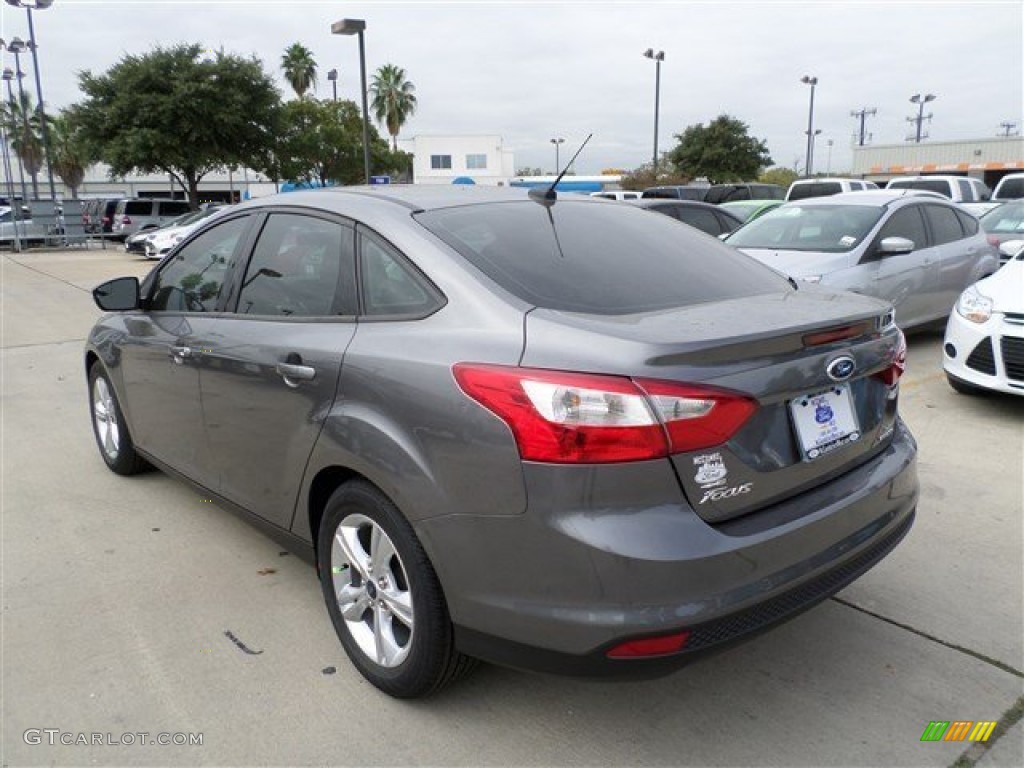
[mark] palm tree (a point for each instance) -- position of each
(70, 157)
(299, 68)
(25, 133)
(394, 100)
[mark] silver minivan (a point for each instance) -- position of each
(137, 214)
(919, 252)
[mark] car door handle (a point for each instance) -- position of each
(292, 373)
(180, 354)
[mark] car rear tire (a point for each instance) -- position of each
(383, 595)
(109, 427)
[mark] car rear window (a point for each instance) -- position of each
(174, 207)
(605, 260)
(816, 189)
(1011, 188)
(928, 185)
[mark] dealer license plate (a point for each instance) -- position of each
(825, 421)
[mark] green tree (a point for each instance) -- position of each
(70, 152)
(299, 68)
(321, 142)
(721, 151)
(393, 98)
(24, 126)
(643, 177)
(778, 175)
(176, 112)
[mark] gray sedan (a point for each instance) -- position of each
(544, 431)
(915, 251)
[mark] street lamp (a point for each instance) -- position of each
(556, 142)
(29, 6)
(17, 46)
(809, 163)
(828, 170)
(8, 76)
(917, 99)
(658, 58)
(357, 27)
(333, 77)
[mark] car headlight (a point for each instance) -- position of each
(974, 306)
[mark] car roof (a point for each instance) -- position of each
(412, 197)
(877, 197)
(661, 202)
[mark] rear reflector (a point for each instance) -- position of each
(649, 646)
(566, 418)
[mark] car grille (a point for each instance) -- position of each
(1013, 357)
(770, 612)
(983, 359)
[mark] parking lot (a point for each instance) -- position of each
(133, 605)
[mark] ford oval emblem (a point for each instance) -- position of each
(841, 368)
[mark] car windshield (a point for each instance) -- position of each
(1005, 219)
(824, 228)
(597, 259)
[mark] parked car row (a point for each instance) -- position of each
(119, 218)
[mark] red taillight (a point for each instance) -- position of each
(891, 375)
(650, 646)
(562, 417)
(126, 220)
(993, 240)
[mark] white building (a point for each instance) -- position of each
(986, 159)
(442, 159)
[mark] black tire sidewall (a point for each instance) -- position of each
(432, 642)
(126, 462)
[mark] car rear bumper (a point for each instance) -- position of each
(555, 590)
(987, 355)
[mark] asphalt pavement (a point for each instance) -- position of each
(133, 606)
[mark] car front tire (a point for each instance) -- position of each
(383, 595)
(109, 427)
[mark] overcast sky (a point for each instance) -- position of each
(532, 71)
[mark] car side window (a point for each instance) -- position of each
(301, 267)
(968, 222)
(966, 191)
(390, 286)
(193, 279)
(944, 223)
(703, 220)
(906, 222)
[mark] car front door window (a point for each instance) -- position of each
(194, 278)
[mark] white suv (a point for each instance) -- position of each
(959, 189)
(801, 189)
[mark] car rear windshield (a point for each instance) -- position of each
(1011, 189)
(928, 185)
(816, 189)
(598, 259)
(825, 228)
(138, 207)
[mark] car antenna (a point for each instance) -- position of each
(548, 196)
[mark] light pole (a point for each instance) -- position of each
(17, 47)
(357, 27)
(8, 76)
(863, 115)
(39, 5)
(828, 170)
(333, 77)
(809, 163)
(556, 142)
(920, 101)
(658, 58)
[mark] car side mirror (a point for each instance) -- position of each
(892, 246)
(118, 295)
(1011, 248)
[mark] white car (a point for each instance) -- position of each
(984, 344)
(160, 241)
